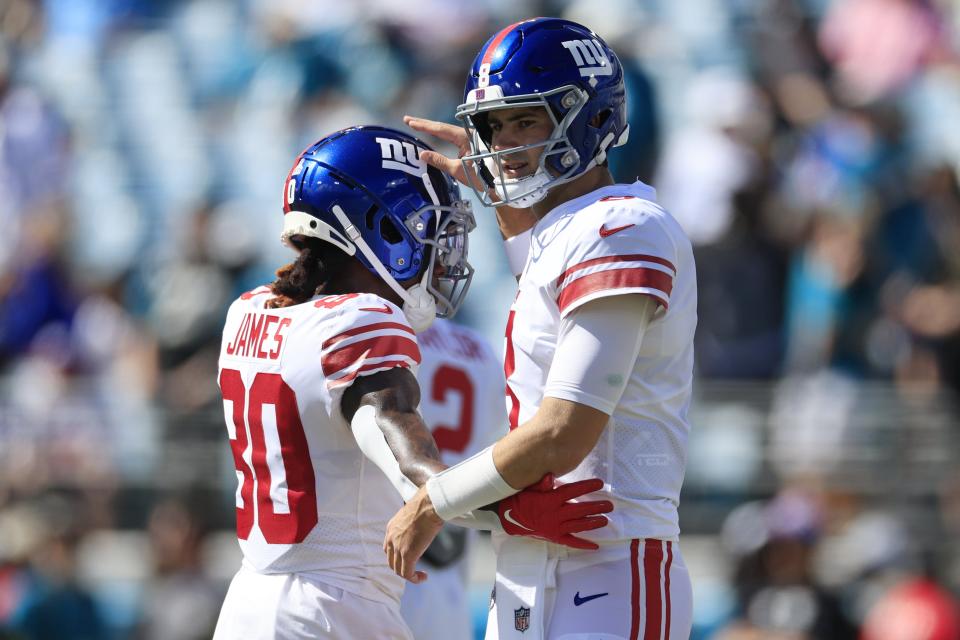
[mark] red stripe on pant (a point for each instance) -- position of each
(666, 592)
(652, 563)
(634, 589)
(656, 590)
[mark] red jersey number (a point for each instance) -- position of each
(451, 380)
(292, 522)
(331, 302)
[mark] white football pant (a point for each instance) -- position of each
(290, 606)
(637, 590)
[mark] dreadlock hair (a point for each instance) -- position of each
(311, 273)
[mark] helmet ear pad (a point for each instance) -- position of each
(392, 243)
(603, 116)
(395, 247)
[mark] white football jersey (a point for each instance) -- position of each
(461, 390)
(461, 400)
(615, 240)
(308, 501)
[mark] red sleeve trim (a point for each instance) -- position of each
(367, 368)
(376, 326)
(377, 347)
(634, 257)
(616, 279)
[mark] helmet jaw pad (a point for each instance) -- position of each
(300, 223)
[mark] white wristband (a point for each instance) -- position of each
(466, 486)
(517, 248)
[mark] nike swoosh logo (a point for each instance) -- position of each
(606, 233)
(384, 309)
(577, 600)
(506, 516)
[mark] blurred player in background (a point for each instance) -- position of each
(462, 384)
(317, 377)
(599, 342)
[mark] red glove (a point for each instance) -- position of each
(545, 512)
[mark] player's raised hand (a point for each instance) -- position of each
(409, 533)
(546, 512)
(453, 134)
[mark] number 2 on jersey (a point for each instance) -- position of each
(447, 380)
(280, 523)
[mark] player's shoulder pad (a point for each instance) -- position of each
(252, 298)
(615, 246)
(609, 217)
(359, 308)
(363, 334)
(256, 292)
(620, 226)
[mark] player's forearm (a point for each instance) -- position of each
(555, 440)
(406, 460)
(412, 445)
(383, 418)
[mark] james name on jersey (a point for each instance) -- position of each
(258, 332)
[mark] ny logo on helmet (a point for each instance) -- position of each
(400, 155)
(590, 58)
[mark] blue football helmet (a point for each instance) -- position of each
(563, 67)
(366, 190)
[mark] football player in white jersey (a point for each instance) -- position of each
(461, 378)
(599, 343)
(317, 377)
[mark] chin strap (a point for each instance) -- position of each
(535, 185)
(419, 306)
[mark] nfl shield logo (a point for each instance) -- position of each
(481, 93)
(521, 619)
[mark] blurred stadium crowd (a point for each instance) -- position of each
(810, 148)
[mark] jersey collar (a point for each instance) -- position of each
(637, 189)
